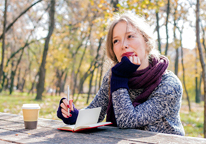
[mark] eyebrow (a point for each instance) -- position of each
(125, 33)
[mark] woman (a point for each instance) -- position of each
(138, 92)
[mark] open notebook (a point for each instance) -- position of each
(87, 119)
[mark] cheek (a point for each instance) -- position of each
(116, 52)
(141, 50)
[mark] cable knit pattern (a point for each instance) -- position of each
(160, 113)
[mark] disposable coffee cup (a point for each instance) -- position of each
(30, 114)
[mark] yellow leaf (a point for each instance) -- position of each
(118, 5)
(99, 5)
(92, 3)
(143, 6)
(147, 1)
(161, 3)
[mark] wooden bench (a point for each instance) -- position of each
(12, 131)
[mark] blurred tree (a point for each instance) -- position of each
(21, 14)
(158, 27)
(3, 41)
(201, 59)
(197, 90)
(42, 70)
(183, 68)
(175, 37)
(115, 5)
(166, 26)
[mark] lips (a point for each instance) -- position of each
(127, 54)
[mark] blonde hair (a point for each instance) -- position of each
(138, 23)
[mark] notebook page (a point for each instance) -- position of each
(87, 116)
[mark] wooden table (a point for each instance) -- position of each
(12, 131)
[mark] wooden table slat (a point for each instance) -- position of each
(12, 131)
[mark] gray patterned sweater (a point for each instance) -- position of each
(160, 113)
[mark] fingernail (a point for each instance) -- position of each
(68, 106)
(70, 110)
(67, 116)
(138, 60)
(70, 115)
(135, 59)
(130, 58)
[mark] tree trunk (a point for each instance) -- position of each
(203, 38)
(158, 31)
(176, 61)
(59, 75)
(114, 4)
(90, 87)
(175, 40)
(80, 63)
(101, 72)
(94, 64)
(78, 70)
(167, 21)
(65, 79)
(14, 72)
(3, 41)
(3, 80)
(33, 83)
(201, 60)
(199, 86)
(18, 80)
(42, 70)
(183, 70)
(11, 78)
(96, 80)
(197, 94)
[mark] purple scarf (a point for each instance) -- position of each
(147, 79)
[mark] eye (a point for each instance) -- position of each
(130, 36)
(115, 41)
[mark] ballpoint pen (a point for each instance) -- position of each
(68, 99)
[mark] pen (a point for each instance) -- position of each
(68, 99)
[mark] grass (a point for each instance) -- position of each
(49, 104)
(192, 121)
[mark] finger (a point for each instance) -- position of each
(130, 58)
(64, 113)
(66, 103)
(63, 106)
(138, 61)
(71, 105)
(135, 59)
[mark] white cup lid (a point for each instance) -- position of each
(30, 106)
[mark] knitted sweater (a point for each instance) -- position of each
(160, 113)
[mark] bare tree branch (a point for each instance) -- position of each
(11, 24)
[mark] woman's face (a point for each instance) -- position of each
(127, 41)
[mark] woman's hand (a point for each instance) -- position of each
(135, 59)
(64, 108)
(126, 67)
(122, 71)
(62, 111)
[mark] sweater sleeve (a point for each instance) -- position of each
(161, 104)
(102, 97)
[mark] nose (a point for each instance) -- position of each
(125, 45)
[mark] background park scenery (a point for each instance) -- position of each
(46, 45)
